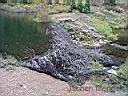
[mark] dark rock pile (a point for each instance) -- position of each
(66, 60)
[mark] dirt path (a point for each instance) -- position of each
(24, 82)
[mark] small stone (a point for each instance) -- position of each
(115, 67)
(92, 28)
(10, 68)
(2, 65)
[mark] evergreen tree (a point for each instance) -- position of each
(3, 1)
(80, 5)
(87, 8)
(73, 4)
(110, 2)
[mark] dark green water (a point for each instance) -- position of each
(122, 36)
(22, 37)
(122, 41)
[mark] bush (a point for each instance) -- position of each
(85, 8)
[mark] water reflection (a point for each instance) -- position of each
(21, 36)
(123, 36)
(118, 48)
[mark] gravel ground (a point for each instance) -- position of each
(24, 82)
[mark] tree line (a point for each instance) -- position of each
(21, 1)
(109, 2)
(81, 5)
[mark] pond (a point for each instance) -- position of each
(22, 37)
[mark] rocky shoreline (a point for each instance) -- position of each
(66, 60)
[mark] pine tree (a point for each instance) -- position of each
(3, 1)
(80, 5)
(87, 8)
(110, 2)
(73, 4)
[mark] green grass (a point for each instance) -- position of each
(115, 20)
(96, 66)
(103, 27)
(41, 17)
(84, 39)
(58, 8)
(123, 71)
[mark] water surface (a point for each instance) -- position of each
(21, 36)
(120, 51)
(122, 36)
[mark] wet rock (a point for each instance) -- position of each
(117, 51)
(92, 29)
(120, 47)
(2, 65)
(111, 71)
(115, 67)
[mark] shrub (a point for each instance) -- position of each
(85, 8)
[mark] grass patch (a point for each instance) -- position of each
(123, 71)
(84, 39)
(109, 82)
(41, 17)
(58, 8)
(61, 8)
(115, 20)
(96, 66)
(103, 27)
